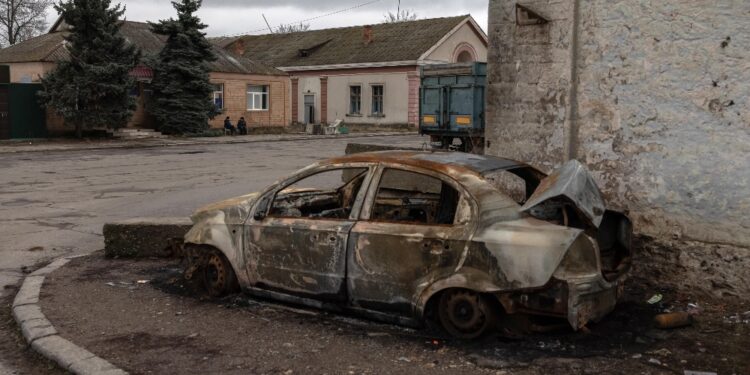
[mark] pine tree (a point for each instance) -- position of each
(181, 88)
(92, 88)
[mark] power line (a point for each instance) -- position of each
(309, 19)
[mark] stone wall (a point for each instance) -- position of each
(656, 105)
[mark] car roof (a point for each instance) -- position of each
(450, 163)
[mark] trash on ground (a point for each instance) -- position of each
(673, 320)
(694, 309)
(661, 352)
(689, 372)
(656, 298)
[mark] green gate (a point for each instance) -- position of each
(27, 117)
(4, 118)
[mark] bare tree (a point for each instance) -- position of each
(22, 19)
(286, 29)
(400, 16)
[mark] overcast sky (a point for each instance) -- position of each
(227, 17)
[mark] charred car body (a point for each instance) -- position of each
(407, 236)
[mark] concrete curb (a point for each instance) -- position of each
(42, 335)
(187, 142)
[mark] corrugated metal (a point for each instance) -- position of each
(142, 73)
(27, 117)
(452, 99)
(4, 119)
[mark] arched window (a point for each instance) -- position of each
(465, 56)
(464, 53)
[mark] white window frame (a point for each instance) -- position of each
(221, 92)
(351, 110)
(372, 100)
(251, 104)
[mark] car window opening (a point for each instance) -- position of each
(409, 197)
(325, 195)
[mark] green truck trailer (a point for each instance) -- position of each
(451, 105)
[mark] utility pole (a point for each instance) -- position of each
(267, 24)
(399, 8)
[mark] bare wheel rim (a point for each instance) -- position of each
(464, 314)
(216, 275)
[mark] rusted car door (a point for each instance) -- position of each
(412, 231)
(299, 245)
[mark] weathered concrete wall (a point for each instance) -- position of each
(529, 83)
(656, 105)
(144, 237)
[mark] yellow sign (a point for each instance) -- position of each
(430, 120)
(463, 120)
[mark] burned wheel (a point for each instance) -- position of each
(465, 314)
(218, 275)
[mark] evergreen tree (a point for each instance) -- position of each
(181, 88)
(92, 88)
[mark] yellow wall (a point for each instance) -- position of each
(29, 72)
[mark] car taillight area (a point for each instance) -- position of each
(613, 235)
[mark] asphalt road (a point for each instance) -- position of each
(55, 203)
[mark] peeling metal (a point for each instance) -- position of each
(388, 253)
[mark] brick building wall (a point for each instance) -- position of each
(279, 112)
(653, 97)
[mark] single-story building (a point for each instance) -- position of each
(244, 88)
(362, 74)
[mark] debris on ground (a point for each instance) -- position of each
(673, 320)
(661, 352)
(656, 298)
(138, 328)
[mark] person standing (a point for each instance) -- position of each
(242, 126)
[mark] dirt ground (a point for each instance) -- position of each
(14, 352)
(139, 316)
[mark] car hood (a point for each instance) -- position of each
(235, 209)
(528, 251)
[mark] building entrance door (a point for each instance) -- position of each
(309, 109)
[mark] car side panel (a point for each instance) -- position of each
(390, 263)
(299, 256)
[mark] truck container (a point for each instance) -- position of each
(451, 105)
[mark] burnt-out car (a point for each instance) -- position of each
(466, 240)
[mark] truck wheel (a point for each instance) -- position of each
(218, 275)
(465, 314)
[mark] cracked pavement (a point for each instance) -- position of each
(55, 203)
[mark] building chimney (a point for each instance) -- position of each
(367, 34)
(238, 47)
